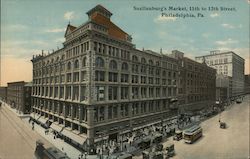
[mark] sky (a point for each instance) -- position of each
(29, 26)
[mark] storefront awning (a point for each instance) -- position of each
(56, 127)
(34, 116)
(75, 137)
(42, 120)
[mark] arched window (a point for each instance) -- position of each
(143, 60)
(113, 65)
(151, 62)
(76, 64)
(84, 60)
(124, 66)
(69, 66)
(99, 62)
(134, 58)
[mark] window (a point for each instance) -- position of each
(135, 92)
(135, 108)
(113, 77)
(75, 92)
(56, 92)
(113, 65)
(124, 93)
(100, 90)
(124, 78)
(134, 79)
(83, 93)
(68, 77)
(68, 92)
(135, 68)
(76, 64)
(61, 92)
(151, 62)
(69, 66)
(83, 75)
(124, 66)
(99, 62)
(151, 92)
(99, 75)
(143, 61)
(134, 58)
(124, 110)
(150, 80)
(143, 79)
(143, 92)
(76, 77)
(112, 92)
(84, 62)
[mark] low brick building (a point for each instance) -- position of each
(19, 96)
(3, 93)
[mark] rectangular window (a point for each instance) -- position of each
(100, 90)
(99, 75)
(113, 77)
(124, 93)
(68, 77)
(83, 76)
(124, 78)
(61, 92)
(76, 77)
(75, 92)
(112, 92)
(135, 92)
(83, 93)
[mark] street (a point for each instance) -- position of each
(217, 143)
(17, 140)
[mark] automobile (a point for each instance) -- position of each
(177, 135)
(238, 101)
(223, 125)
(170, 150)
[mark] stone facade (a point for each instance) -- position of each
(99, 85)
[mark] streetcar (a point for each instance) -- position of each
(192, 134)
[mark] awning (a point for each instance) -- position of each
(77, 138)
(42, 120)
(34, 116)
(56, 127)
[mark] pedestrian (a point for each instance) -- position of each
(54, 137)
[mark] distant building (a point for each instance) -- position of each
(247, 84)
(19, 96)
(223, 88)
(229, 64)
(3, 94)
(99, 86)
(196, 88)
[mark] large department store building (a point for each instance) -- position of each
(99, 85)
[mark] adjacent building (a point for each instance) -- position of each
(223, 88)
(100, 86)
(197, 84)
(229, 64)
(19, 96)
(3, 94)
(247, 84)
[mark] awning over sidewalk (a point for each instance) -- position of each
(34, 116)
(56, 127)
(42, 120)
(77, 138)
